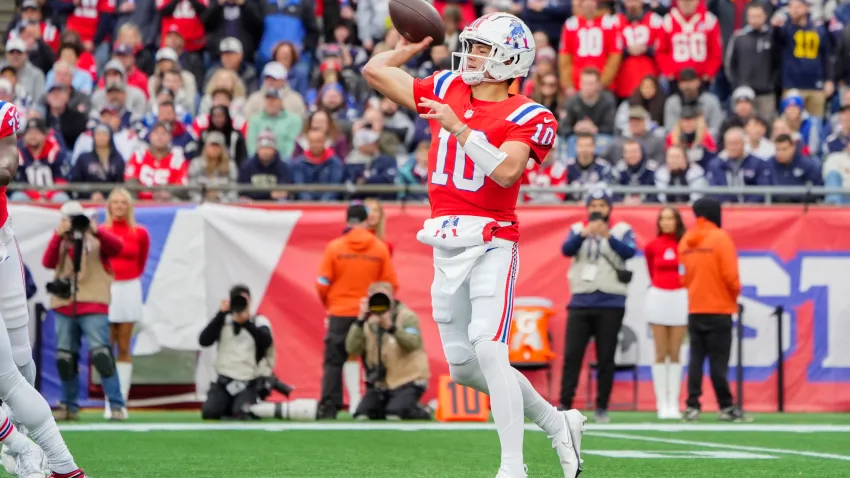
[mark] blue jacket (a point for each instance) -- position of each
(330, 171)
(752, 171)
(287, 20)
(382, 170)
(801, 171)
(255, 173)
(89, 169)
(805, 56)
(599, 171)
(834, 143)
(30, 283)
(641, 175)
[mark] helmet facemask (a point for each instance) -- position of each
(497, 63)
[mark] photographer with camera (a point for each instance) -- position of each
(387, 334)
(599, 282)
(245, 357)
(79, 253)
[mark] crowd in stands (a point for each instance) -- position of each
(220, 92)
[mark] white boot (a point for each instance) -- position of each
(659, 384)
(674, 387)
(351, 379)
(125, 378)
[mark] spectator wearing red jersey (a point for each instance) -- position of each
(590, 39)
(666, 311)
(43, 163)
(184, 16)
(552, 172)
(83, 20)
(642, 31)
(31, 14)
(691, 40)
(125, 306)
(159, 165)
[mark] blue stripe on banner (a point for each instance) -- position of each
(513, 272)
(525, 112)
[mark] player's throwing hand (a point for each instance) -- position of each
(440, 112)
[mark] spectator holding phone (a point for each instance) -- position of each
(599, 283)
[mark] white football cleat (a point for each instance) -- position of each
(575, 424)
(563, 445)
(29, 463)
(504, 474)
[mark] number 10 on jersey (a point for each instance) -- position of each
(450, 149)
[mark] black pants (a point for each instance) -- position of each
(582, 324)
(402, 402)
(335, 357)
(221, 404)
(711, 336)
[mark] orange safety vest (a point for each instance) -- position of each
(529, 344)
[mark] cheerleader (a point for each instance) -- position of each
(125, 307)
(666, 311)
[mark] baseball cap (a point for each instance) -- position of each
(689, 111)
(116, 86)
(123, 49)
(37, 123)
(74, 208)
(102, 127)
(275, 70)
(55, 86)
(115, 65)
(108, 108)
(743, 93)
(266, 139)
(230, 45)
(16, 44)
(637, 112)
(161, 124)
(167, 53)
(29, 4)
(215, 137)
(688, 74)
(355, 213)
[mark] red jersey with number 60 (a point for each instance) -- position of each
(9, 125)
(455, 185)
(690, 43)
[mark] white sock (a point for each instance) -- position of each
(505, 402)
(125, 377)
(351, 379)
(537, 409)
(34, 412)
(11, 414)
(659, 385)
(674, 385)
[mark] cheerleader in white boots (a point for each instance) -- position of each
(666, 311)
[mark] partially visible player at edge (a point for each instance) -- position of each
(28, 406)
(474, 167)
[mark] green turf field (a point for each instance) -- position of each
(634, 445)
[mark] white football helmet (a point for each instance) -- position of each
(511, 53)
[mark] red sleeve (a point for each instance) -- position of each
(649, 255)
(110, 244)
(538, 133)
(51, 255)
(614, 39)
(715, 50)
(144, 246)
(427, 87)
(10, 122)
(566, 46)
(662, 54)
(132, 169)
(180, 176)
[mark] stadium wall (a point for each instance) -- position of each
(789, 256)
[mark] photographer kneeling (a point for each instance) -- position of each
(244, 342)
(387, 334)
(80, 295)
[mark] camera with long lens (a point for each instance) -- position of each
(238, 303)
(61, 288)
(80, 223)
(271, 383)
(379, 303)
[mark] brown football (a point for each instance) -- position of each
(417, 19)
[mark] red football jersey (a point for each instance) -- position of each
(690, 43)
(645, 32)
(455, 185)
(107, 6)
(553, 174)
(185, 21)
(590, 42)
(9, 125)
(84, 19)
(148, 171)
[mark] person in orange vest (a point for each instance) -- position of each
(349, 264)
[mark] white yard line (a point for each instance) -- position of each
(671, 441)
(599, 430)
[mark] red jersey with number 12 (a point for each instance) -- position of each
(9, 125)
(455, 185)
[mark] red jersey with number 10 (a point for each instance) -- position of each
(9, 125)
(455, 185)
(590, 41)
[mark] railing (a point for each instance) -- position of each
(804, 194)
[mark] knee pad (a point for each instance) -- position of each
(66, 364)
(103, 362)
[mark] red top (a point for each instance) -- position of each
(186, 21)
(9, 125)
(110, 246)
(690, 43)
(130, 263)
(590, 41)
(456, 187)
(662, 260)
(644, 32)
(84, 19)
(143, 167)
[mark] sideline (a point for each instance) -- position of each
(723, 446)
(596, 430)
